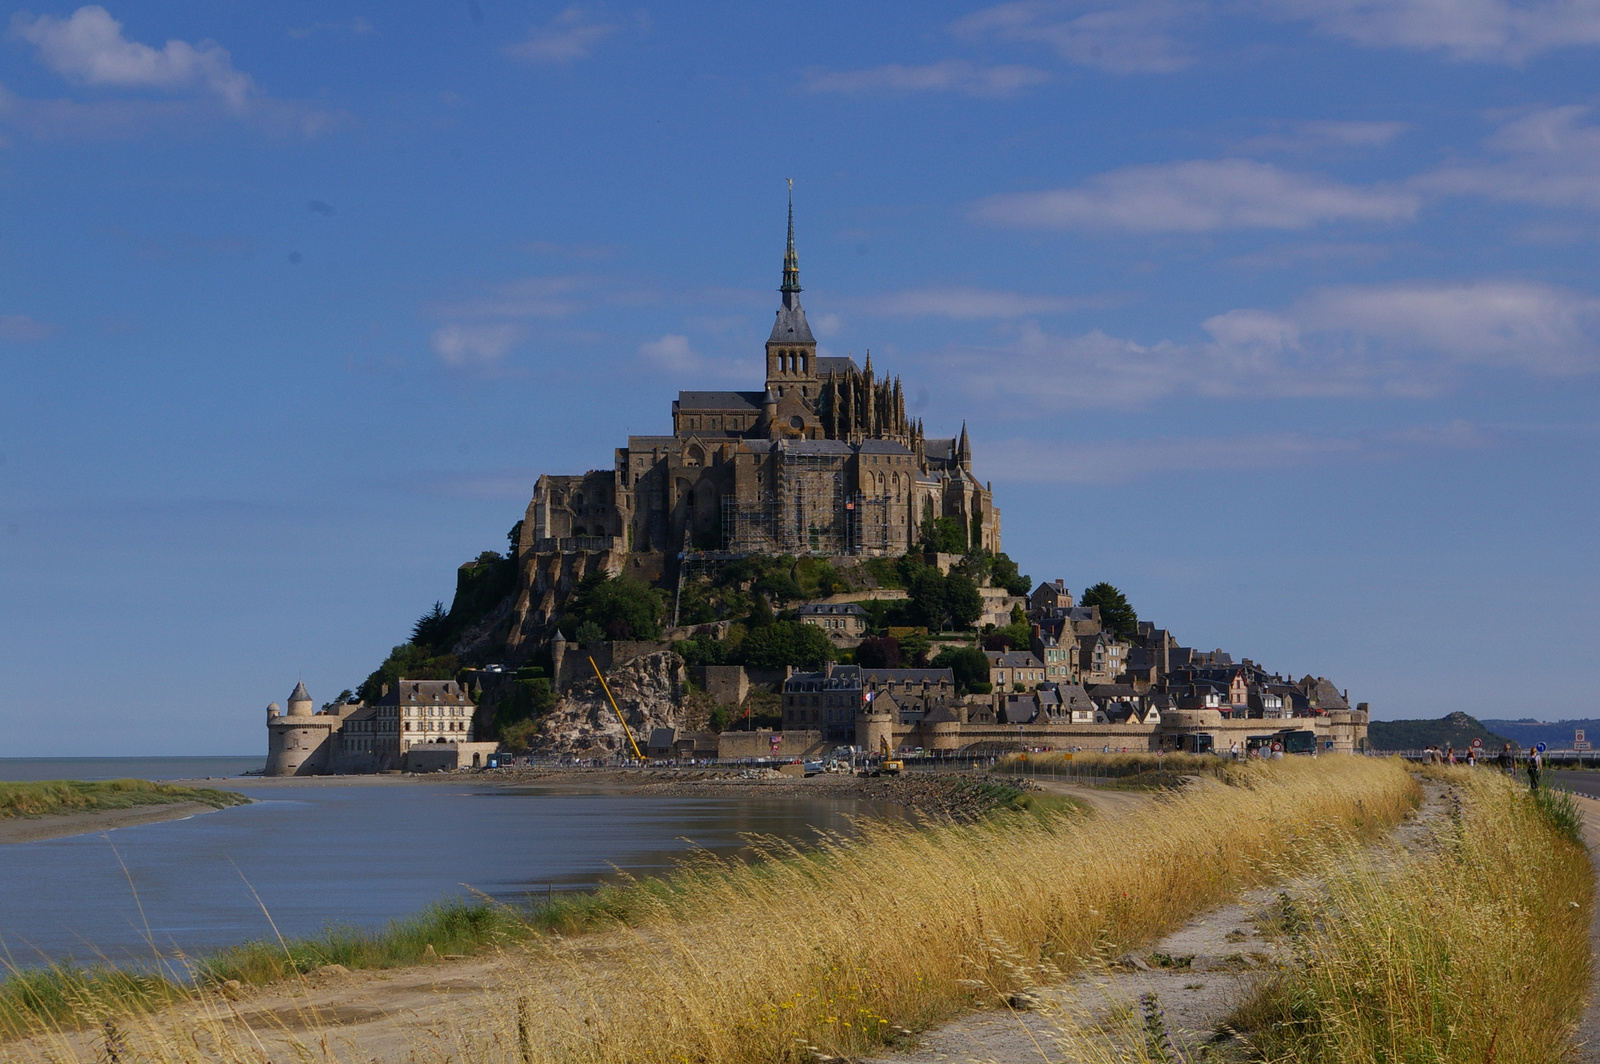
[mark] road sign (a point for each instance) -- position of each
(1577, 736)
(1477, 744)
(1579, 744)
(1277, 747)
(1541, 747)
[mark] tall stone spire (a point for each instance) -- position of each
(791, 261)
(964, 449)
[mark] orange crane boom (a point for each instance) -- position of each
(625, 729)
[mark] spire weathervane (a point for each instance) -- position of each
(791, 261)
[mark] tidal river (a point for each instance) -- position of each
(358, 851)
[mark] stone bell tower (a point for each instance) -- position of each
(791, 349)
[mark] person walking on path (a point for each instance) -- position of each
(1508, 761)
(1535, 763)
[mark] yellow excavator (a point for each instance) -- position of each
(889, 766)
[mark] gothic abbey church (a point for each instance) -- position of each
(824, 461)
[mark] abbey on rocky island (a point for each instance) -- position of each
(823, 461)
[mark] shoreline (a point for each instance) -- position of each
(91, 821)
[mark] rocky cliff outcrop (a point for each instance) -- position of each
(648, 690)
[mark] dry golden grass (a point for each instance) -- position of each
(1478, 951)
(847, 948)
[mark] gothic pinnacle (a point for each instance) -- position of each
(791, 261)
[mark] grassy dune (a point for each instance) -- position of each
(51, 797)
(843, 953)
(848, 947)
(1479, 952)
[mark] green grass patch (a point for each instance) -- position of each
(53, 797)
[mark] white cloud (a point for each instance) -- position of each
(1116, 461)
(1488, 30)
(1539, 328)
(671, 352)
(971, 304)
(569, 36)
(1200, 196)
(21, 329)
(88, 48)
(1323, 136)
(525, 297)
(827, 324)
(950, 75)
(1412, 339)
(473, 345)
(1550, 158)
(1138, 36)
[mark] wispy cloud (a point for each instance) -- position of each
(524, 297)
(509, 483)
(21, 329)
(1135, 37)
(671, 352)
(570, 36)
(1495, 31)
(950, 75)
(88, 48)
(1412, 339)
(1116, 461)
(973, 304)
(1550, 158)
(1200, 196)
(461, 346)
(1306, 138)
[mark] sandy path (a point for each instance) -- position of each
(1228, 950)
(60, 826)
(1588, 1038)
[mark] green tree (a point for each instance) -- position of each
(878, 652)
(786, 643)
(943, 535)
(760, 612)
(927, 598)
(914, 649)
(588, 632)
(969, 665)
(414, 663)
(1003, 571)
(1116, 615)
(623, 608)
(432, 628)
(702, 650)
(962, 603)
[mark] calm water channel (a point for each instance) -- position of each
(350, 851)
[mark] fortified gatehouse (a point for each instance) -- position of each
(824, 460)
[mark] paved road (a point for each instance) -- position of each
(1576, 782)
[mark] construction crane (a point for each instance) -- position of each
(625, 729)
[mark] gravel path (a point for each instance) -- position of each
(1199, 974)
(1589, 1028)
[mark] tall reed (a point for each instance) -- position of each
(854, 944)
(900, 929)
(1477, 950)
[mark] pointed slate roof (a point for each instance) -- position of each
(299, 694)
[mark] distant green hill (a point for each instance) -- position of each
(1457, 729)
(1559, 735)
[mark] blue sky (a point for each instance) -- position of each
(1282, 315)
